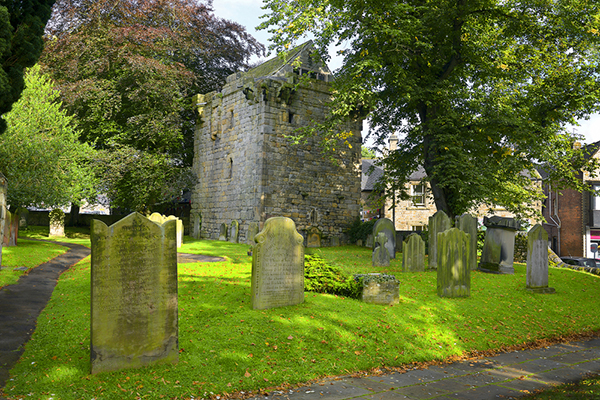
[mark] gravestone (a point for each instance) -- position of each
(234, 231)
(196, 220)
(453, 272)
(278, 265)
(6, 230)
(223, 232)
(157, 217)
(14, 230)
(313, 238)
(23, 214)
(387, 227)
(252, 231)
(379, 291)
(438, 222)
(370, 241)
(335, 241)
(499, 246)
(134, 294)
(381, 255)
(468, 224)
(3, 211)
(179, 228)
(413, 254)
(537, 260)
(57, 223)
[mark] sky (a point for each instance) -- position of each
(248, 12)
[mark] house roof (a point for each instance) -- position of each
(368, 180)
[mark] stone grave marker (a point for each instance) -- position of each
(157, 217)
(381, 255)
(380, 289)
(413, 254)
(278, 265)
(57, 223)
(234, 231)
(134, 294)
(196, 221)
(313, 238)
(179, 228)
(252, 231)
(23, 214)
(370, 242)
(453, 272)
(438, 222)
(223, 232)
(537, 260)
(499, 246)
(14, 230)
(3, 211)
(468, 224)
(387, 227)
(335, 241)
(6, 230)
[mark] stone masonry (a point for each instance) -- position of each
(249, 171)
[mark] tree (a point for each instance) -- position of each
(127, 72)
(366, 152)
(21, 29)
(481, 91)
(40, 153)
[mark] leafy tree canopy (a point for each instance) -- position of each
(21, 29)
(127, 71)
(481, 91)
(40, 152)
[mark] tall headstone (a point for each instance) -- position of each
(23, 214)
(179, 230)
(157, 217)
(223, 232)
(381, 255)
(313, 237)
(14, 230)
(134, 294)
(6, 231)
(335, 241)
(57, 223)
(537, 260)
(499, 246)
(278, 265)
(234, 231)
(413, 254)
(386, 226)
(468, 224)
(252, 231)
(453, 272)
(196, 222)
(438, 222)
(370, 242)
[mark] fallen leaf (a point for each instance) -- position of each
(247, 374)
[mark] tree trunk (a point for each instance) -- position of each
(74, 215)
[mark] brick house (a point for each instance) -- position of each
(573, 218)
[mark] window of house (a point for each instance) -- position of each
(418, 194)
(595, 203)
(417, 228)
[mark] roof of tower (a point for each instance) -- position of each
(300, 60)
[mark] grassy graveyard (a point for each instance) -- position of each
(226, 347)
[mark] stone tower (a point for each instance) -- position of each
(249, 170)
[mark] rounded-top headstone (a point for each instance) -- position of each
(438, 222)
(386, 226)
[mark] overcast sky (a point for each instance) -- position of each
(248, 12)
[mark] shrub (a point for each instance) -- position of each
(359, 230)
(321, 277)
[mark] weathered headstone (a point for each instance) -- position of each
(380, 291)
(453, 272)
(386, 226)
(179, 230)
(370, 242)
(6, 230)
(381, 255)
(252, 231)
(468, 224)
(57, 223)
(234, 231)
(537, 260)
(413, 254)
(196, 220)
(134, 294)
(157, 217)
(335, 241)
(313, 237)
(14, 230)
(438, 222)
(223, 232)
(499, 246)
(278, 265)
(23, 214)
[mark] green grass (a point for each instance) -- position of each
(586, 389)
(228, 347)
(72, 234)
(27, 253)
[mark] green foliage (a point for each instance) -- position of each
(359, 230)
(40, 153)
(321, 277)
(520, 247)
(21, 29)
(449, 79)
(366, 152)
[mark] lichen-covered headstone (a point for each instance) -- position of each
(313, 238)
(234, 231)
(134, 294)
(196, 221)
(370, 241)
(57, 223)
(23, 214)
(14, 230)
(335, 241)
(386, 226)
(453, 272)
(278, 265)
(179, 228)
(252, 231)
(468, 224)
(6, 231)
(413, 254)
(381, 255)
(438, 222)
(223, 232)
(499, 246)
(537, 260)
(157, 217)
(380, 289)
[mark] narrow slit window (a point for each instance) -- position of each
(230, 168)
(291, 118)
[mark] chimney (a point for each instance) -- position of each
(393, 142)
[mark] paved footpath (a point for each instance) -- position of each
(21, 304)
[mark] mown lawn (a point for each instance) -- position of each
(226, 347)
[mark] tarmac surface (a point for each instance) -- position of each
(503, 376)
